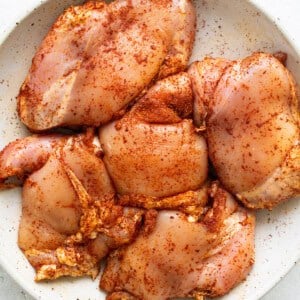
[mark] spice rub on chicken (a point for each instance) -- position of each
(136, 187)
(69, 217)
(180, 256)
(98, 57)
(251, 111)
(154, 150)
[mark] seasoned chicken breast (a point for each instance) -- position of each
(97, 57)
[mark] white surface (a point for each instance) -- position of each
(13, 10)
(288, 288)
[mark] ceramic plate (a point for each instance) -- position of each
(231, 29)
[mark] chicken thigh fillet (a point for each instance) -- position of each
(152, 151)
(184, 258)
(252, 119)
(69, 218)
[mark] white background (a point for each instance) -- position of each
(284, 13)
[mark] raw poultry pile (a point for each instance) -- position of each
(164, 158)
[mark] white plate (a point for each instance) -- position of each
(225, 28)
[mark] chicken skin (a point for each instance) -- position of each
(69, 218)
(153, 150)
(179, 257)
(98, 57)
(251, 112)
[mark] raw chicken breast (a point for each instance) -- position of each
(98, 57)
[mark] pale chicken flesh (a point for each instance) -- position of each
(69, 218)
(180, 257)
(251, 112)
(97, 57)
(153, 151)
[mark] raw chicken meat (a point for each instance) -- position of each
(153, 151)
(251, 112)
(60, 210)
(98, 57)
(69, 218)
(80, 254)
(180, 257)
(143, 197)
(27, 155)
